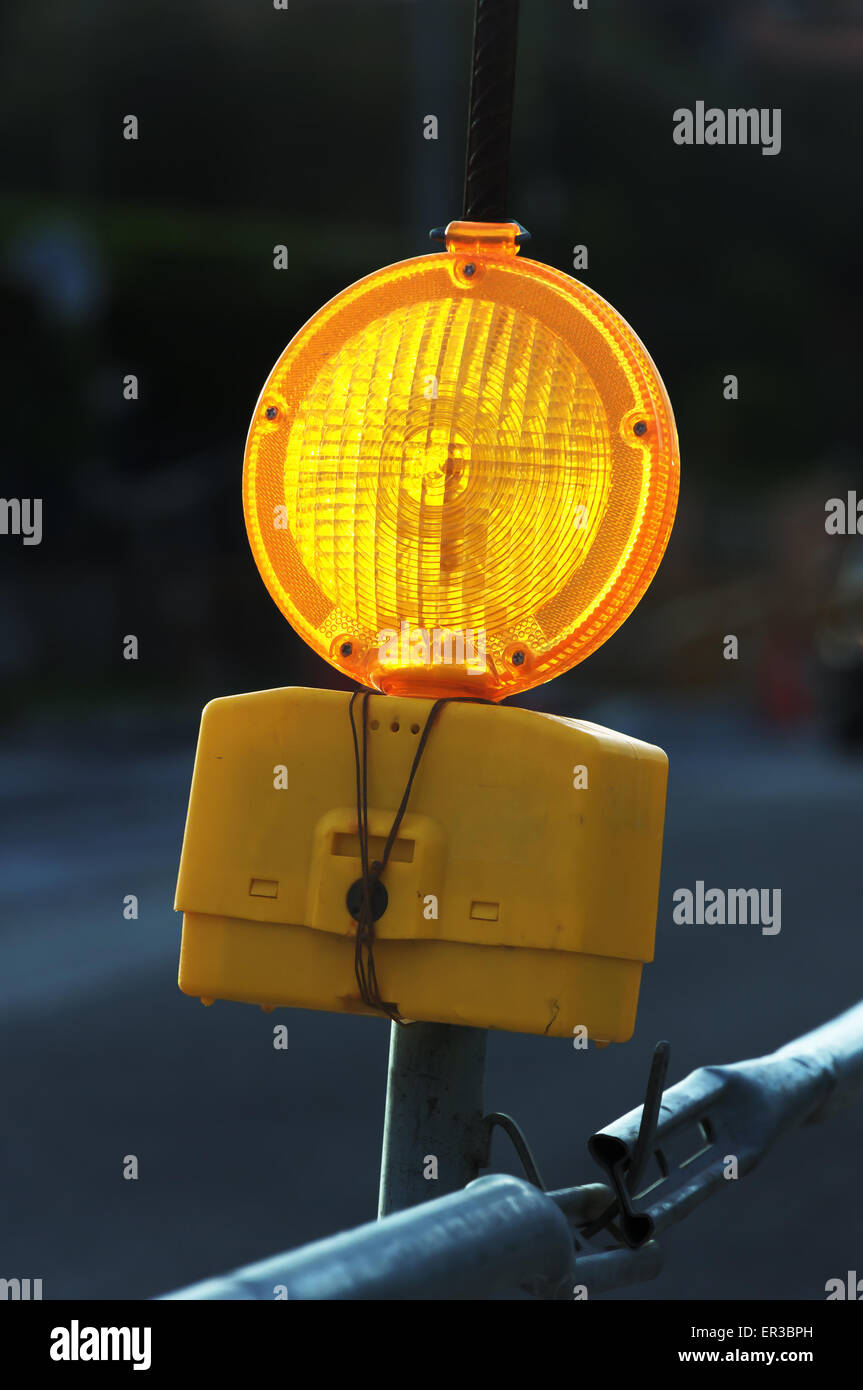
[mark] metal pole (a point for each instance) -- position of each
(435, 1138)
(435, 1141)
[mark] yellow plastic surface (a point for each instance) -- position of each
(519, 897)
(462, 472)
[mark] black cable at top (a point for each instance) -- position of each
(490, 116)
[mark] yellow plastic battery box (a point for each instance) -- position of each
(521, 889)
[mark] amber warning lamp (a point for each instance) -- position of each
(462, 473)
(460, 478)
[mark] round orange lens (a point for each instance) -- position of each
(462, 472)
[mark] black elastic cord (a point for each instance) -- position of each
(364, 961)
(364, 957)
(490, 116)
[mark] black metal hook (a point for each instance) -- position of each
(519, 1143)
(624, 1167)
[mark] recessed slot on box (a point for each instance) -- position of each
(349, 847)
(264, 888)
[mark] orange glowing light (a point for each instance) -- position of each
(462, 473)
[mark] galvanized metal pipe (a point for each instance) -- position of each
(435, 1141)
(618, 1269)
(502, 1233)
(741, 1109)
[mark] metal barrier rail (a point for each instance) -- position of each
(500, 1234)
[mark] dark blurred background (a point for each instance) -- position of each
(260, 127)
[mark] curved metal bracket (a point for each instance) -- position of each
(519, 1143)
